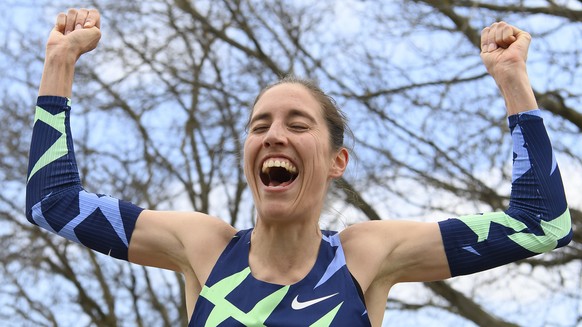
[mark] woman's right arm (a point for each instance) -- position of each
(55, 199)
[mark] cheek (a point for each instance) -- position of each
(248, 157)
(319, 145)
(251, 149)
(319, 158)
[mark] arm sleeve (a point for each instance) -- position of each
(537, 219)
(55, 199)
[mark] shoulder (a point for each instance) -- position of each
(187, 226)
(365, 249)
(368, 234)
(203, 238)
(391, 251)
(185, 239)
(201, 233)
(390, 234)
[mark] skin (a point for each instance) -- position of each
(287, 123)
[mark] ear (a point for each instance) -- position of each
(339, 164)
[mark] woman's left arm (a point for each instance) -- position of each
(537, 219)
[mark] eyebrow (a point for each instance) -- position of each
(292, 113)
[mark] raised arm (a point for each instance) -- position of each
(537, 219)
(55, 198)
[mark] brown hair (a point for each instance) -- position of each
(334, 117)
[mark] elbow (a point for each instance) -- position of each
(46, 209)
(566, 240)
(29, 206)
(551, 233)
(567, 234)
(32, 209)
(558, 231)
(29, 216)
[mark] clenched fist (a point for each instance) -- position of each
(75, 33)
(504, 49)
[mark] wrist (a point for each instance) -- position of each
(58, 73)
(507, 75)
(60, 55)
(517, 93)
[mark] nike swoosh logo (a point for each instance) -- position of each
(296, 305)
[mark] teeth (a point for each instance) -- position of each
(279, 163)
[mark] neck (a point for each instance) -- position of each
(283, 254)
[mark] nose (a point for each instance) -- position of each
(275, 136)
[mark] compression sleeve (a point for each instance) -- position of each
(537, 219)
(55, 199)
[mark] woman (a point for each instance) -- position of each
(286, 271)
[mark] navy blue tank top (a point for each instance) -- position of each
(327, 296)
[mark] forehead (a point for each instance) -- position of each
(285, 99)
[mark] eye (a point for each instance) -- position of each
(259, 128)
(296, 127)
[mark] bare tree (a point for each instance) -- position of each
(160, 114)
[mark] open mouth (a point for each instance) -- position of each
(278, 172)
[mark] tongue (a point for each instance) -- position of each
(277, 184)
(279, 177)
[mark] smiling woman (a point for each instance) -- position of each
(286, 271)
(288, 128)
